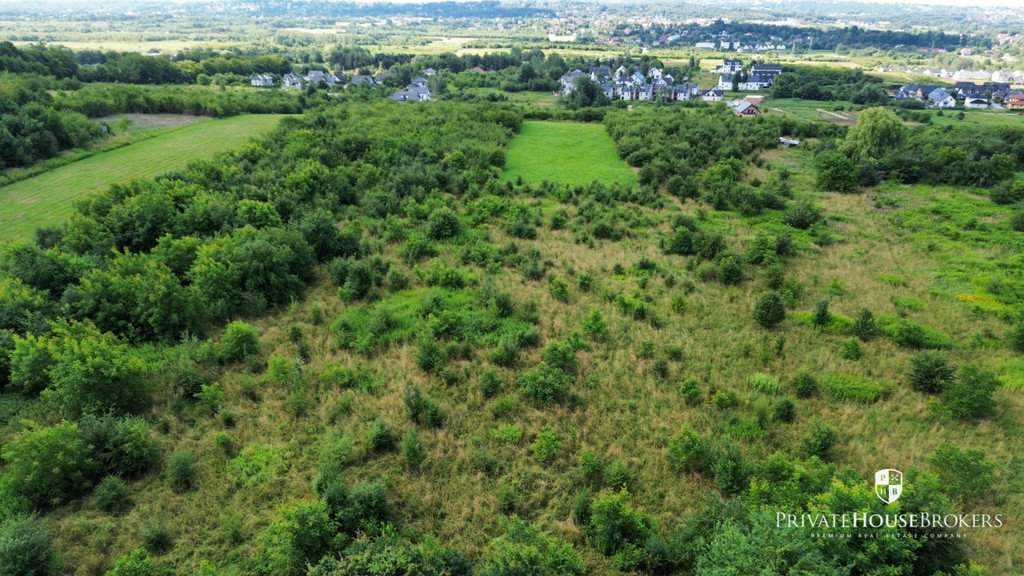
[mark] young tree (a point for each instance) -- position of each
(48, 466)
(836, 172)
(769, 309)
(877, 131)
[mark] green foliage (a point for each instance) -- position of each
(616, 528)
(94, 372)
(965, 474)
(544, 384)
(821, 315)
(430, 357)
(930, 373)
(910, 334)
(769, 309)
(48, 466)
(835, 172)
(688, 453)
(804, 384)
(730, 469)
(877, 131)
(851, 349)
(380, 437)
(30, 360)
(864, 326)
(591, 468)
(156, 536)
(545, 446)
(855, 388)
(785, 410)
(618, 476)
(135, 563)
(113, 496)
(820, 440)
(691, 392)
(239, 342)
(802, 215)
(421, 409)
(764, 383)
(181, 471)
(969, 396)
(443, 224)
(121, 446)
(26, 547)
(524, 551)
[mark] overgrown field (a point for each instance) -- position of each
(374, 351)
(570, 153)
(47, 199)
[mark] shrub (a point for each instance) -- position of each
(156, 537)
(615, 526)
(764, 383)
(820, 440)
(120, 446)
(523, 551)
(506, 353)
(490, 383)
(821, 315)
(26, 548)
(804, 384)
(864, 326)
(769, 309)
(443, 224)
(30, 360)
(421, 409)
(239, 342)
(545, 446)
(725, 400)
(113, 496)
(559, 289)
(181, 470)
(730, 470)
(690, 391)
(544, 384)
(48, 466)
(135, 563)
(969, 396)
(365, 508)
(380, 438)
(836, 172)
(851, 349)
(729, 270)
(785, 410)
(1017, 220)
(965, 474)
(688, 453)
(930, 373)
(1016, 335)
(618, 476)
(591, 469)
(594, 325)
(430, 356)
(855, 388)
(802, 215)
(413, 451)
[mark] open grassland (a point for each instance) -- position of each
(48, 198)
(565, 153)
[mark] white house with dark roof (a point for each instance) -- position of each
(290, 80)
(940, 98)
(262, 81)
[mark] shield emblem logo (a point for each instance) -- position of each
(888, 485)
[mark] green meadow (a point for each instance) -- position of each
(48, 198)
(565, 153)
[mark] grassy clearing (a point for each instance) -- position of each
(565, 153)
(48, 198)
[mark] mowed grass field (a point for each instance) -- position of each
(48, 198)
(565, 153)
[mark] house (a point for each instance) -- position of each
(729, 67)
(685, 91)
(428, 71)
(755, 100)
(975, 103)
(362, 80)
(316, 77)
(713, 95)
(1015, 102)
(746, 109)
(637, 77)
(655, 73)
(620, 73)
(412, 94)
(262, 81)
(418, 82)
(569, 80)
(767, 70)
(704, 45)
(290, 80)
(600, 73)
(788, 142)
(756, 82)
(939, 98)
(923, 90)
(725, 81)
